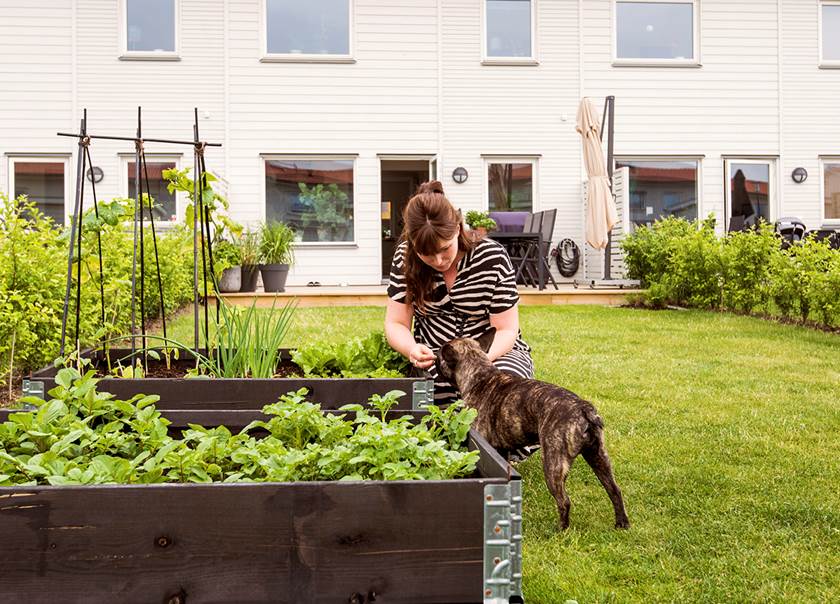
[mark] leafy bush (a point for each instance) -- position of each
(479, 220)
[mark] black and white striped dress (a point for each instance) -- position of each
(484, 286)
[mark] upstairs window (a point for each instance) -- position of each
(509, 30)
(150, 28)
(830, 33)
(656, 32)
(310, 30)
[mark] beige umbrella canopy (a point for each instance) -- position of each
(601, 214)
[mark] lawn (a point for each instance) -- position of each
(724, 433)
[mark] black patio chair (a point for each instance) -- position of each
(790, 229)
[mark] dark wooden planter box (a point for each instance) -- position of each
(401, 541)
(242, 393)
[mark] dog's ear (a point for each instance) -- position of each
(449, 355)
(486, 340)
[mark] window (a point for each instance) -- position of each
(831, 190)
(509, 30)
(313, 196)
(660, 188)
(164, 203)
(312, 30)
(750, 193)
(830, 33)
(150, 28)
(656, 32)
(44, 181)
(510, 186)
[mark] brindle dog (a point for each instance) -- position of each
(515, 412)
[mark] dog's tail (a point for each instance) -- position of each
(593, 418)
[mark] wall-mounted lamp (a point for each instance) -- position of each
(460, 175)
(799, 175)
(95, 174)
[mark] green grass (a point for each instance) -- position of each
(724, 432)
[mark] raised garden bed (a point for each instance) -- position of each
(235, 393)
(384, 541)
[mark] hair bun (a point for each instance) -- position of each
(433, 186)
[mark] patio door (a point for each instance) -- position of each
(750, 192)
(399, 178)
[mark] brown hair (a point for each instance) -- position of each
(429, 219)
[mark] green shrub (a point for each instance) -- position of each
(746, 258)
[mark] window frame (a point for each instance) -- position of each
(352, 157)
(148, 55)
(532, 59)
(772, 178)
(666, 158)
(532, 159)
(824, 220)
(44, 158)
(823, 62)
(642, 62)
(277, 57)
(180, 203)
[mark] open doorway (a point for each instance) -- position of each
(400, 179)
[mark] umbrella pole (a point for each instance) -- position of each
(609, 111)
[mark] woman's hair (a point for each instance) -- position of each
(429, 219)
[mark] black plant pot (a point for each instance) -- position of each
(250, 274)
(274, 277)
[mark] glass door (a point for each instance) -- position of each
(750, 192)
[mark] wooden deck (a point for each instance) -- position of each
(374, 295)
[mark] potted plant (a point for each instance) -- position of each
(227, 265)
(328, 212)
(249, 250)
(480, 222)
(277, 255)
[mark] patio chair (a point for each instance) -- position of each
(542, 255)
(833, 237)
(790, 229)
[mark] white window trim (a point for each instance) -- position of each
(277, 57)
(825, 63)
(180, 199)
(533, 59)
(640, 62)
(825, 221)
(146, 55)
(773, 181)
(315, 157)
(512, 159)
(663, 158)
(69, 198)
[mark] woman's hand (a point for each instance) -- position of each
(421, 356)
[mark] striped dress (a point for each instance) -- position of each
(484, 285)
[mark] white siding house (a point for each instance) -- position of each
(376, 95)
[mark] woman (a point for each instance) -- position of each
(452, 287)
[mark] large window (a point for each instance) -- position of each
(164, 203)
(831, 191)
(656, 32)
(510, 185)
(315, 29)
(150, 28)
(509, 29)
(313, 196)
(750, 194)
(830, 32)
(43, 180)
(660, 188)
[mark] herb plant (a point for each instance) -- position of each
(371, 356)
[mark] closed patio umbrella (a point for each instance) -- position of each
(601, 214)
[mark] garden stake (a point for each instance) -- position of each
(99, 246)
(154, 242)
(138, 190)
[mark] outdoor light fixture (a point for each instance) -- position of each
(799, 175)
(459, 175)
(95, 174)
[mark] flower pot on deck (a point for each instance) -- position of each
(274, 277)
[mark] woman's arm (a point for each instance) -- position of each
(507, 330)
(398, 333)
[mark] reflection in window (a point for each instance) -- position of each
(831, 187)
(314, 197)
(150, 25)
(661, 188)
(511, 187)
(831, 32)
(509, 28)
(43, 183)
(654, 30)
(749, 194)
(315, 27)
(163, 204)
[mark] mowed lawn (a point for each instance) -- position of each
(724, 432)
